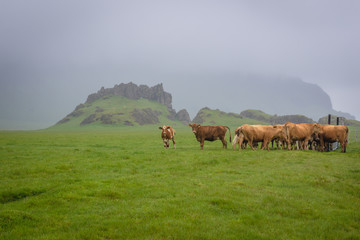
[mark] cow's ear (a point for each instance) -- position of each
(168, 127)
(160, 128)
(190, 125)
(199, 126)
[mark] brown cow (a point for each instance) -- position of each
(237, 139)
(210, 133)
(260, 133)
(167, 134)
(333, 133)
(280, 141)
(301, 132)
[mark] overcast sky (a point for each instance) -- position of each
(53, 54)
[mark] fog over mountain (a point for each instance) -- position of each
(53, 54)
(236, 93)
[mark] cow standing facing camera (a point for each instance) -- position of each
(167, 134)
(210, 133)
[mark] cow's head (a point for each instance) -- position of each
(195, 127)
(164, 129)
(316, 132)
(237, 131)
(282, 131)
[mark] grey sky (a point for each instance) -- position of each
(55, 53)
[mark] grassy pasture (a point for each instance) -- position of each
(122, 184)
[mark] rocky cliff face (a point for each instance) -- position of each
(132, 91)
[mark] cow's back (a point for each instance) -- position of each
(255, 132)
(334, 133)
(211, 133)
(299, 131)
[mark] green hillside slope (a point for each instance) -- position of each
(207, 116)
(116, 111)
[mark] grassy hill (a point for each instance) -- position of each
(116, 111)
(207, 116)
(275, 119)
(347, 122)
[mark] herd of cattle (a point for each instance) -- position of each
(288, 136)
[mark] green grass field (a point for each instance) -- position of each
(122, 184)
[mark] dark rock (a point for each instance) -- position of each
(146, 116)
(89, 119)
(183, 116)
(63, 121)
(127, 123)
(75, 113)
(79, 106)
(107, 119)
(99, 109)
(200, 116)
(132, 91)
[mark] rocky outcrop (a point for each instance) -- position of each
(183, 116)
(275, 119)
(90, 112)
(133, 91)
(146, 116)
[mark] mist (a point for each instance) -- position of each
(53, 54)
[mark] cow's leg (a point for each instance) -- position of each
(224, 142)
(250, 142)
(305, 144)
(202, 144)
(241, 140)
(173, 140)
(256, 146)
(288, 144)
(265, 144)
(235, 141)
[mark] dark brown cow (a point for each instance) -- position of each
(260, 133)
(301, 132)
(209, 133)
(333, 133)
(167, 134)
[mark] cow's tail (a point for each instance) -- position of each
(229, 132)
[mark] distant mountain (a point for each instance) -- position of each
(207, 116)
(236, 93)
(133, 105)
(125, 105)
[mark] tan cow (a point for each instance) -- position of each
(237, 139)
(333, 133)
(279, 140)
(210, 133)
(260, 133)
(301, 132)
(167, 134)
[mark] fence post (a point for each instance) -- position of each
(349, 137)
